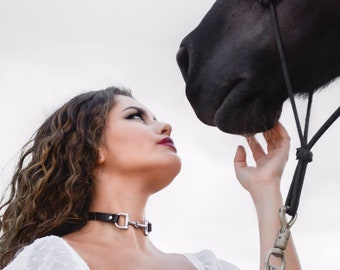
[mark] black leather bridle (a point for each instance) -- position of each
(303, 154)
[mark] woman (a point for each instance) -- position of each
(81, 186)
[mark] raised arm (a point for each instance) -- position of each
(263, 184)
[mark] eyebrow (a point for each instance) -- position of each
(135, 108)
(139, 110)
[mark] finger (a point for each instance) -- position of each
(276, 137)
(240, 159)
(272, 137)
(255, 148)
(283, 133)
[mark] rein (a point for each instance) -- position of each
(303, 154)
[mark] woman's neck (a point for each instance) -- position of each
(119, 194)
(114, 194)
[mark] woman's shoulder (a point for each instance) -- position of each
(207, 260)
(48, 253)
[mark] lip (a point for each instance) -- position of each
(168, 142)
(222, 92)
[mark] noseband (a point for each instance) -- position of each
(303, 154)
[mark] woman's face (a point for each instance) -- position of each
(135, 143)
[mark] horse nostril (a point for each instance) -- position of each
(183, 61)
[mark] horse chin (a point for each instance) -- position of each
(237, 107)
(247, 119)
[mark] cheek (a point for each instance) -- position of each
(128, 153)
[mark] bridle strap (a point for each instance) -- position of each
(304, 155)
(280, 47)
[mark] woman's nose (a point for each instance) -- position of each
(164, 128)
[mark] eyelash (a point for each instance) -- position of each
(133, 115)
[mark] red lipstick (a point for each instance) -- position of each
(168, 142)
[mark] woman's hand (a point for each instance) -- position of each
(263, 183)
(269, 166)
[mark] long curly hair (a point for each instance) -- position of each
(52, 185)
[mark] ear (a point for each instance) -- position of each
(101, 157)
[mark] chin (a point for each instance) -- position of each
(164, 175)
(171, 169)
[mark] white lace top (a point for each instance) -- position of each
(54, 253)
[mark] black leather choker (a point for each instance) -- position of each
(114, 219)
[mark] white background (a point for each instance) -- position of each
(53, 50)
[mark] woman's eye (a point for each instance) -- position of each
(135, 116)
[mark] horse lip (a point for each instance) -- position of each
(207, 112)
(248, 108)
(228, 89)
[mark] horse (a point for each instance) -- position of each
(232, 69)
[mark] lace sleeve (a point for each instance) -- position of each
(48, 253)
(206, 260)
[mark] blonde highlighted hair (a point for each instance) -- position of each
(51, 188)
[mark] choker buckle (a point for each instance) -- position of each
(126, 221)
(146, 226)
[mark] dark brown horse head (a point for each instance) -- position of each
(232, 68)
